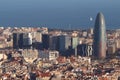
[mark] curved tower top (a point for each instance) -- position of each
(99, 44)
(100, 21)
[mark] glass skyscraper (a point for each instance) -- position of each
(99, 44)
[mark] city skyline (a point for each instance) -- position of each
(59, 40)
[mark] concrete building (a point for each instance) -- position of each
(30, 55)
(50, 55)
(111, 46)
(84, 33)
(3, 56)
(111, 49)
(27, 40)
(38, 37)
(74, 42)
(117, 41)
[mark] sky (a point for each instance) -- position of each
(58, 13)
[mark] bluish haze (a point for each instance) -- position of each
(58, 13)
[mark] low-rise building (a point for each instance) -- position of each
(30, 55)
(50, 55)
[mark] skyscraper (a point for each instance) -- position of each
(84, 49)
(99, 44)
(17, 40)
(74, 42)
(22, 40)
(46, 41)
(64, 42)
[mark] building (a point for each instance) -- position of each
(3, 56)
(50, 42)
(46, 41)
(54, 43)
(84, 49)
(17, 40)
(117, 41)
(99, 43)
(27, 40)
(84, 33)
(22, 40)
(38, 37)
(30, 55)
(50, 55)
(64, 42)
(90, 33)
(111, 46)
(74, 42)
(111, 49)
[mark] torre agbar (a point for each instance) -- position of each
(99, 43)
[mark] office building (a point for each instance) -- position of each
(27, 40)
(74, 42)
(17, 40)
(84, 49)
(64, 42)
(99, 43)
(46, 41)
(22, 40)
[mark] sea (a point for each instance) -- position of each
(65, 14)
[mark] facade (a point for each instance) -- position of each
(117, 43)
(84, 49)
(46, 41)
(111, 49)
(38, 37)
(30, 55)
(111, 46)
(64, 42)
(50, 55)
(27, 40)
(3, 56)
(17, 40)
(99, 43)
(54, 44)
(74, 42)
(22, 40)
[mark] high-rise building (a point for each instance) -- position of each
(54, 45)
(38, 37)
(17, 40)
(27, 40)
(46, 41)
(50, 42)
(74, 42)
(22, 40)
(64, 42)
(84, 49)
(99, 44)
